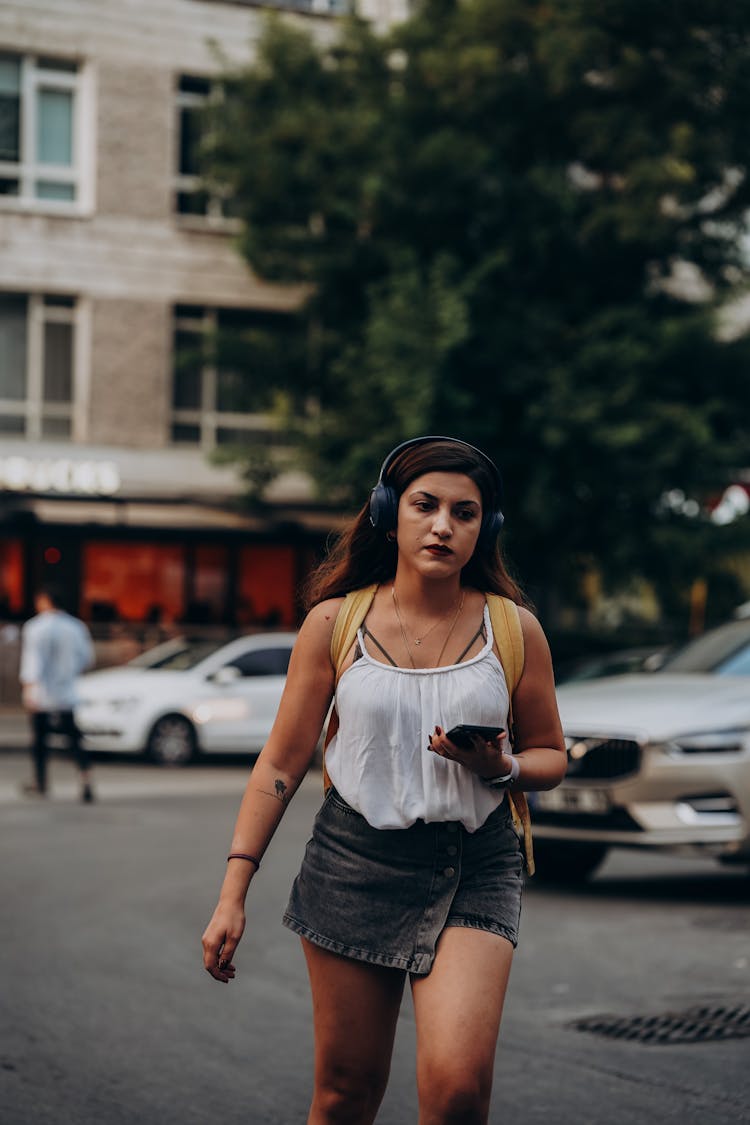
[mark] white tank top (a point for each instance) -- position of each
(378, 759)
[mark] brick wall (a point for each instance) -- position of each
(135, 146)
(130, 349)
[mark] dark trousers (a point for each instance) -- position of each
(46, 723)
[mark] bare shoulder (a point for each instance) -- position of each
(311, 656)
(529, 622)
(535, 641)
(317, 628)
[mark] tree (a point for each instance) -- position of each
(497, 206)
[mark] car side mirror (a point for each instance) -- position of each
(227, 675)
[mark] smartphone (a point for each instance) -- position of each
(464, 734)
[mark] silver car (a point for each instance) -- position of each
(654, 761)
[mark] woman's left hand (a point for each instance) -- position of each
(485, 758)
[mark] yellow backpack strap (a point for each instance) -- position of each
(506, 627)
(353, 611)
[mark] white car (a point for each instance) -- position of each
(654, 761)
(187, 697)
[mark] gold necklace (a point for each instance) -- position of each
(418, 640)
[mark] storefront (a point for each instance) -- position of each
(152, 540)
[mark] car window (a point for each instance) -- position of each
(263, 662)
(175, 656)
(736, 665)
(611, 664)
(715, 651)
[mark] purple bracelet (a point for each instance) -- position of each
(244, 855)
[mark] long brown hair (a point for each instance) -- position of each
(363, 554)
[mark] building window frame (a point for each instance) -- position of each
(37, 412)
(37, 75)
(189, 184)
(206, 420)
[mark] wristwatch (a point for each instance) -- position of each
(506, 779)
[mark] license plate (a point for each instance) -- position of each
(572, 800)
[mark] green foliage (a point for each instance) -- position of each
(491, 204)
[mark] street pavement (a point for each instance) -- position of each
(14, 727)
(109, 1018)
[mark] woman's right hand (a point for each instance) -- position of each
(273, 781)
(221, 938)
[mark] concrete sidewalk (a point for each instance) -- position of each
(115, 782)
(15, 731)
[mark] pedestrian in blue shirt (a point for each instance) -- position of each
(55, 649)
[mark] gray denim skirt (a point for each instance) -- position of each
(385, 896)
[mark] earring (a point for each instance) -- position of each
(390, 536)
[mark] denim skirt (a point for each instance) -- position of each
(385, 896)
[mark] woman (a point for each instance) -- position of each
(414, 867)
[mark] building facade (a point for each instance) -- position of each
(116, 267)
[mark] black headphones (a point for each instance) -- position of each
(384, 498)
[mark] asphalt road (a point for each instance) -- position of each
(108, 1016)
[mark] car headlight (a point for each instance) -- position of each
(731, 741)
(125, 703)
(221, 711)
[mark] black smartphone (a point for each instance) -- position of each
(464, 734)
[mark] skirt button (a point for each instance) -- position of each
(449, 872)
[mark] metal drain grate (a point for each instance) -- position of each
(694, 1025)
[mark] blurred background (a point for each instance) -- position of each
(248, 247)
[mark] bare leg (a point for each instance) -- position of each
(458, 1007)
(355, 1008)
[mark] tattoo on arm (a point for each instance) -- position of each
(280, 791)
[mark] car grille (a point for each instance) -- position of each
(616, 820)
(600, 758)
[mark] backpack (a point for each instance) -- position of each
(506, 627)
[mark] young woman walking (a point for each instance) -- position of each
(414, 868)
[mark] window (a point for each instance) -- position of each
(40, 142)
(11, 578)
(37, 348)
(227, 365)
(267, 577)
(133, 582)
(192, 198)
(316, 7)
(208, 573)
(263, 662)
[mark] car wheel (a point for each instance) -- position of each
(566, 861)
(172, 741)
